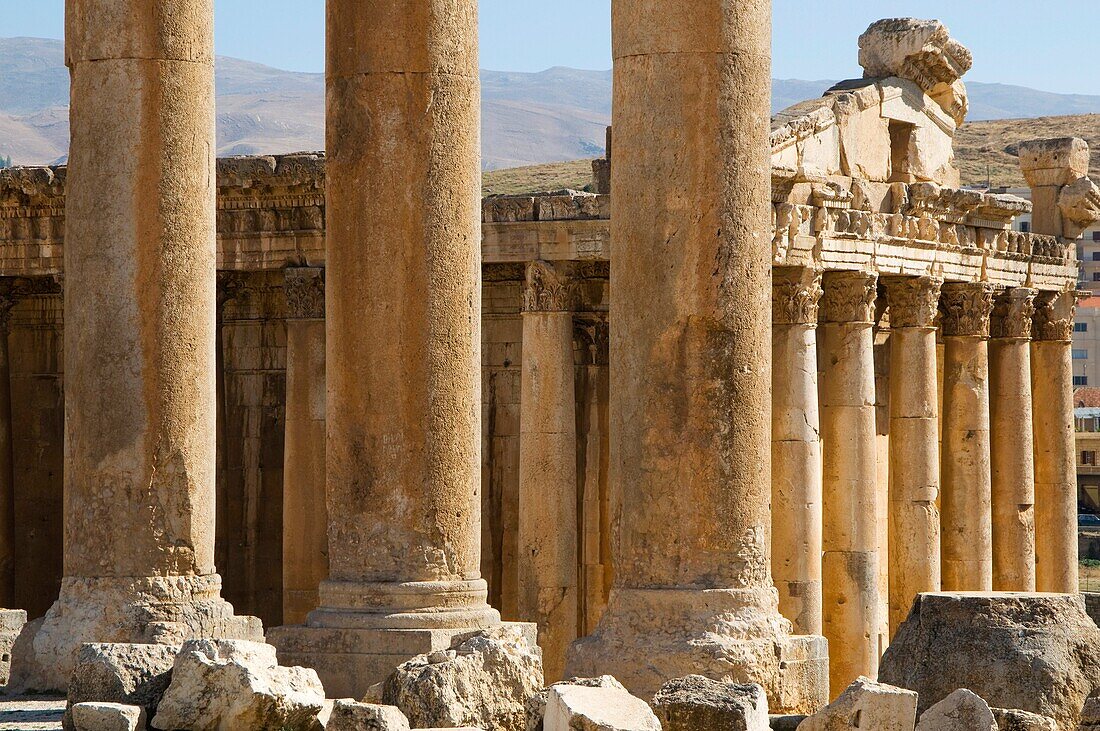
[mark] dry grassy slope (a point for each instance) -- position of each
(978, 146)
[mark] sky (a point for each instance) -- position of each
(1044, 44)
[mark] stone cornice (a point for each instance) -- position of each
(547, 289)
(849, 297)
(796, 295)
(1013, 311)
(913, 301)
(304, 289)
(967, 307)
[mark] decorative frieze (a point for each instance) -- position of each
(849, 297)
(547, 289)
(796, 295)
(304, 289)
(1013, 312)
(914, 301)
(1054, 312)
(967, 307)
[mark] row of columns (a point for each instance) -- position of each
(992, 508)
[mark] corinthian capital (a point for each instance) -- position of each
(796, 292)
(1054, 313)
(1013, 310)
(966, 308)
(914, 301)
(849, 297)
(304, 289)
(547, 290)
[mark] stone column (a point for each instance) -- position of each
(548, 530)
(796, 448)
(1012, 457)
(850, 563)
(305, 540)
(403, 332)
(1055, 452)
(914, 443)
(690, 358)
(964, 461)
(139, 338)
(8, 545)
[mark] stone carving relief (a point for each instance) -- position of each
(1054, 312)
(305, 293)
(1079, 203)
(547, 289)
(796, 294)
(913, 301)
(1013, 310)
(849, 297)
(966, 308)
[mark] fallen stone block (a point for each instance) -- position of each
(785, 722)
(866, 704)
(108, 717)
(697, 703)
(11, 624)
(485, 681)
(582, 708)
(129, 674)
(963, 710)
(349, 715)
(536, 704)
(1033, 652)
(1010, 719)
(1090, 715)
(236, 684)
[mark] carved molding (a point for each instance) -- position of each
(304, 289)
(1013, 311)
(1054, 312)
(913, 301)
(796, 295)
(849, 297)
(547, 289)
(967, 307)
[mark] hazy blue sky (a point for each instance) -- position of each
(1049, 45)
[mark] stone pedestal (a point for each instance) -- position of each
(690, 359)
(850, 562)
(964, 467)
(1055, 452)
(1012, 456)
(403, 335)
(796, 448)
(914, 565)
(139, 340)
(305, 539)
(548, 531)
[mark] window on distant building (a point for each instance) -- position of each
(1080, 354)
(1080, 327)
(1025, 226)
(1080, 380)
(1096, 276)
(1096, 256)
(1088, 457)
(1096, 235)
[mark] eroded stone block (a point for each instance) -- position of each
(349, 715)
(128, 674)
(696, 703)
(963, 710)
(866, 704)
(108, 717)
(582, 708)
(1016, 720)
(536, 704)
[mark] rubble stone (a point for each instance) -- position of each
(348, 715)
(696, 703)
(1035, 652)
(129, 674)
(583, 708)
(536, 704)
(108, 717)
(484, 681)
(963, 710)
(1016, 720)
(866, 704)
(235, 684)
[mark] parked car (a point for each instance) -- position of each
(1088, 520)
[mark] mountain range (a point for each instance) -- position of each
(527, 118)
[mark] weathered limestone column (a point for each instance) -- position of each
(403, 332)
(8, 544)
(305, 539)
(966, 502)
(690, 358)
(1012, 457)
(850, 563)
(548, 531)
(1055, 452)
(796, 448)
(139, 338)
(914, 442)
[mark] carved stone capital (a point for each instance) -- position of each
(914, 301)
(229, 286)
(547, 289)
(1013, 310)
(1079, 203)
(966, 307)
(304, 289)
(1054, 312)
(796, 294)
(849, 297)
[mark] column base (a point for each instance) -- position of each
(650, 636)
(364, 630)
(147, 610)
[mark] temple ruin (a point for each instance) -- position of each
(334, 402)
